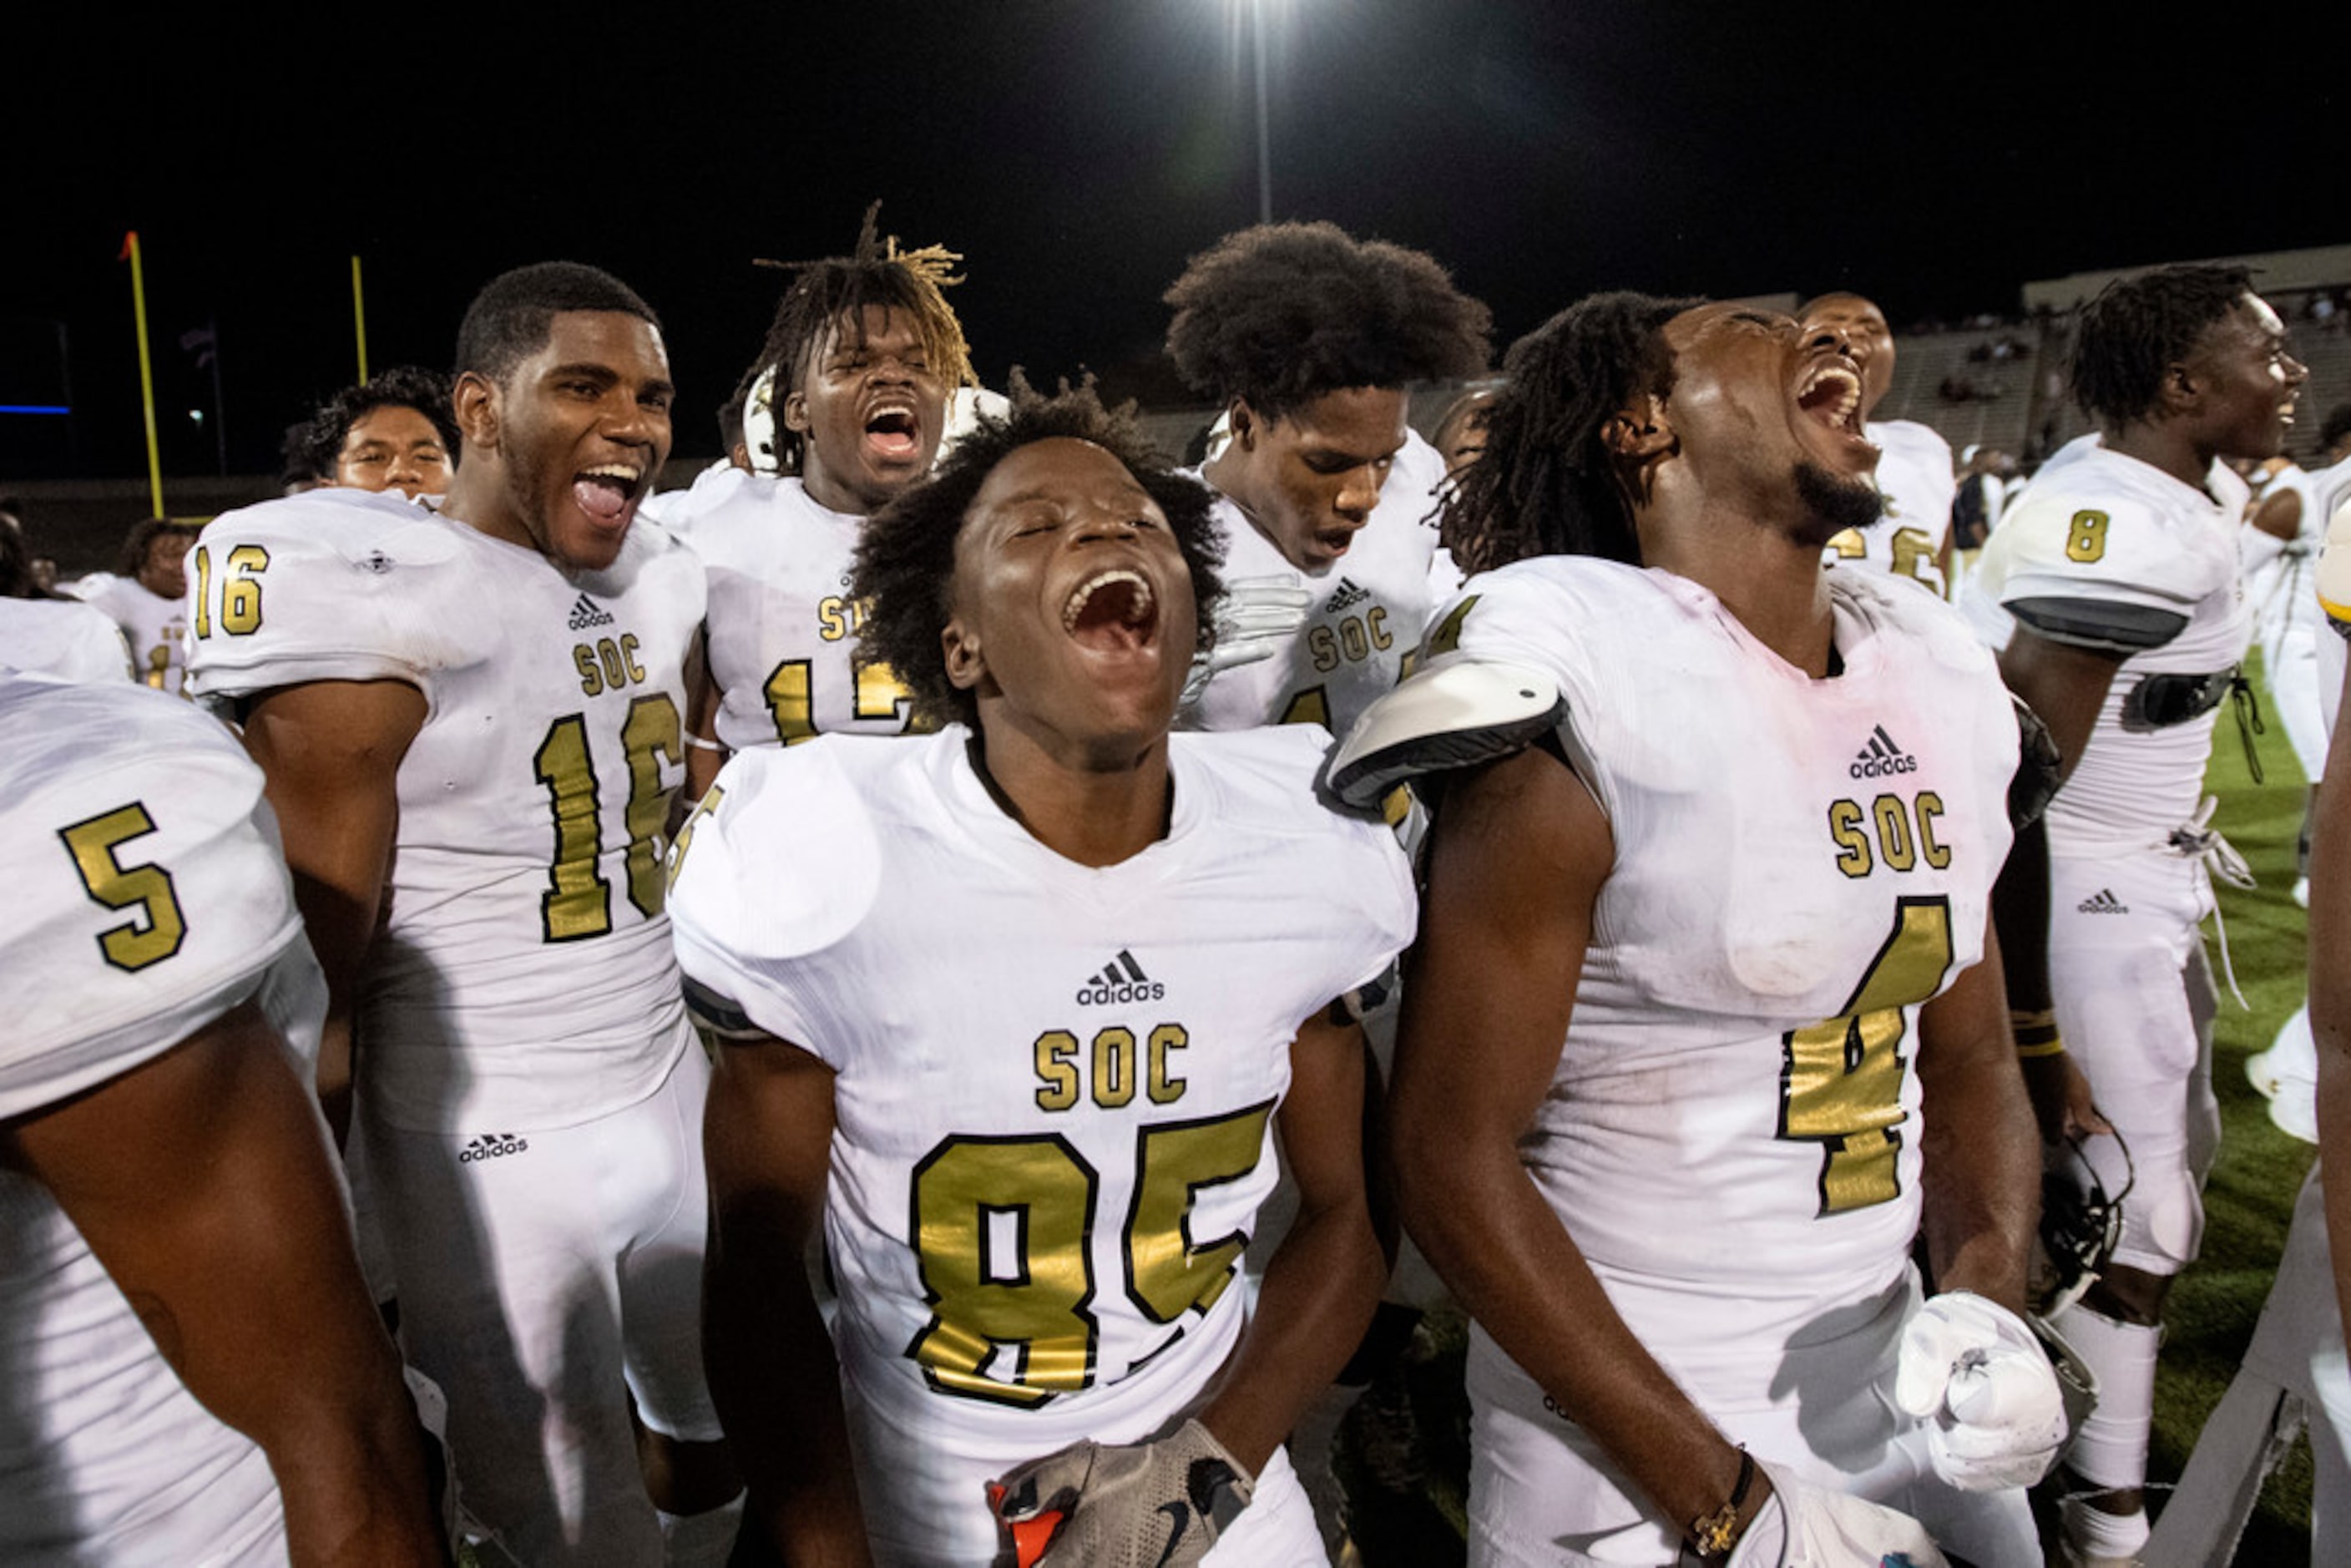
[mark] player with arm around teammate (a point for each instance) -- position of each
(192, 1370)
(1704, 1022)
(470, 723)
(1018, 1011)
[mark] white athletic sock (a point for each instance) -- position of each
(701, 1540)
(2093, 1537)
(2110, 1450)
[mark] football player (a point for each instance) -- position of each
(2112, 590)
(145, 598)
(195, 1372)
(864, 351)
(1914, 474)
(392, 432)
(1018, 1012)
(471, 727)
(1308, 338)
(2293, 1369)
(46, 632)
(1704, 1024)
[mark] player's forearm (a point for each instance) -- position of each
(1468, 1201)
(354, 1482)
(1980, 1184)
(777, 1386)
(1319, 1290)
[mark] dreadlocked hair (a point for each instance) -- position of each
(905, 572)
(1283, 313)
(2128, 338)
(1545, 484)
(838, 288)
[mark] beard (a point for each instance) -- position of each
(1833, 504)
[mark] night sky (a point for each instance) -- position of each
(1077, 152)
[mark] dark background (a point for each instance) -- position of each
(1935, 156)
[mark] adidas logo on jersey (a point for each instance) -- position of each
(1882, 756)
(587, 613)
(1121, 980)
(1346, 596)
(491, 1147)
(2103, 902)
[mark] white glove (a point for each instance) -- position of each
(1145, 1505)
(1974, 1372)
(1253, 617)
(1802, 1525)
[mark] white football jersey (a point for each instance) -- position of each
(1056, 1084)
(679, 510)
(1799, 864)
(155, 627)
(782, 626)
(2100, 529)
(146, 899)
(1369, 608)
(1915, 477)
(2277, 572)
(58, 637)
(522, 978)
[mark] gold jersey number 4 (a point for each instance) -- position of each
(1841, 1080)
(1004, 1238)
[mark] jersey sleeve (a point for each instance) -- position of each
(59, 637)
(778, 865)
(146, 894)
(316, 590)
(2103, 573)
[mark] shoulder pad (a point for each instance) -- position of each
(327, 586)
(2335, 571)
(1459, 715)
(772, 809)
(2106, 625)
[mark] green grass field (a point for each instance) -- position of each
(2211, 1314)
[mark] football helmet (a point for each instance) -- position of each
(2080, 1225)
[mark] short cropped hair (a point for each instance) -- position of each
(402, 386)
(509, 319)
(142, 536)
(838, 289)
(2138, 328)
(1546, 484)
(906, 556)
(1284, 313)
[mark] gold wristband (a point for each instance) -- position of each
(2035, 1031)
(1713, 1535)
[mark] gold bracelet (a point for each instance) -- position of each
(1714, 1534)
(2034, 1032)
